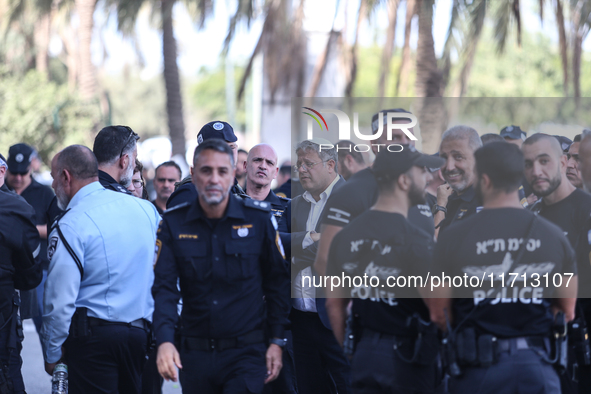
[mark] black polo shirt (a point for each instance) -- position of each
(459, 207)
(110, 183)
(383, 245)
(487, 244)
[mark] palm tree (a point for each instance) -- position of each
(404, 70)
(87, 73)
(127, 13)
(388, 46)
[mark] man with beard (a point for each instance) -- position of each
(350, 161)
(97, 301)
(261, 168)
(572, 167)
(501, 333)
(456, 200)
(387, 243)
(361, 190)
(115, 148)
(224, 257)
(569, 208)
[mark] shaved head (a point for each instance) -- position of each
(553, 143)
(585, 161)
(261, 166)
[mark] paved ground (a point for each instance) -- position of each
(36, 379)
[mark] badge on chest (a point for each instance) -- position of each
(242, 231)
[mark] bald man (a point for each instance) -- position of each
(567, 207)
(261, 168)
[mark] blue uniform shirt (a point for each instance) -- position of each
(113, 235)
(225, 267)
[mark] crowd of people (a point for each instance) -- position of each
(213, 282)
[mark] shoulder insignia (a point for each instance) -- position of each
(182, 205)
(282, 197)
(184, 181)
(262, 205)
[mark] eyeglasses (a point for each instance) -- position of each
(132, 134)
(307, 166)
(137, 183)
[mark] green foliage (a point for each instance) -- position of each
(208, 95)
(137, 103)
(42, 114)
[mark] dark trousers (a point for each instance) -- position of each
(11, 361)
(240, 370)
(518, 371)
(378, 369)
(321, 366)
(151, 379)
(110, 360)
(286, 381)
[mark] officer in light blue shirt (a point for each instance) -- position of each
(97, 296)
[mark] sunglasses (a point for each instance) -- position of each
(132, 135)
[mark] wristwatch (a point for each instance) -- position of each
(278, 341)
(437, 208)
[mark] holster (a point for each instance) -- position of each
(426, 344)
(80, 328)
(560, 342)
(352, 335)
(449, 356)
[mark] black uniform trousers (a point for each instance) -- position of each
(286, 381)
(11, 360)
(517, 371)
(378, 368)
(239, 370)
(109, 360)
(321, 366)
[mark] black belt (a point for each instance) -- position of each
(521, 343)
(210, 344)
(139, 323)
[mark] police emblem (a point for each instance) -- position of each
(52, 244)
(200, 139)
(19, 158)
(242, 232)
(218, 126)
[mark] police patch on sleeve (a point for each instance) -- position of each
(157, 251)
(51, 245)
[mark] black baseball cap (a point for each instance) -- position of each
(565, 143)
(394, 164)
(513, 132)
(217, 129)
(374, 119)
(19, 158)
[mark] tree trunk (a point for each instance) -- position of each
(562, 43)
(352, 71)
(429, 110)
(42, 33)
(388, 47)
(174, 102)
(68, 37)
(87, 73)
(404, 71)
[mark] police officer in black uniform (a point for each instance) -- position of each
(115, 148)
(502, 330)
(457, 200)
(359, 194)
(569, 208)
(185, 192)
(389, 357)
(226, 254)
(20, 268)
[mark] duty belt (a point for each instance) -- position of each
(139, 323)
(211, 344)
(521, 343)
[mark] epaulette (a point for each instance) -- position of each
(181, 205)
(262, 205)
(537, 207)
(283, 198)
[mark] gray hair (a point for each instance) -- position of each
(324, 154)
(461, 132)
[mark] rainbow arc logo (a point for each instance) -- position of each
(315, 118)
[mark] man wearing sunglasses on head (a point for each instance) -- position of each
(115, 148)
